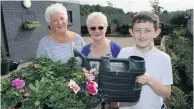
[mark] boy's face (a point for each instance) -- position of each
(144, 33)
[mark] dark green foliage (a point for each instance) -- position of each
(178, 19)
(87, 9)
(124, 28)
(182, 53)
(167, 29)
(178, 100)
(179, 45)
(157, 40)
(115, 21)
(165, 12)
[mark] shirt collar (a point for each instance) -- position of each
(151, 51)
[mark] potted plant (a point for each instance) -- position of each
(5, 65)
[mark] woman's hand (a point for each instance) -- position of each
(89, 74)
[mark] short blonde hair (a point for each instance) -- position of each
(57, 7)
(99, 15)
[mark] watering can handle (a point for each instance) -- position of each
(85, 62)
(119, 60)
(138, 85)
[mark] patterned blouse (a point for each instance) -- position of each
(96, 64)
(59, 51)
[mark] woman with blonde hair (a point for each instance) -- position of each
(101, 46)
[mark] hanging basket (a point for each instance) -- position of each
(28, 25)
(29, 20)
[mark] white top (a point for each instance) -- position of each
(158, 64)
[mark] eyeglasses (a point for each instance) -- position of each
(99, 28)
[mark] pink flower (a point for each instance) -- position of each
(74, 86)
(19, 84)
(92, 87)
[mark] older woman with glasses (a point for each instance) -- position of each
(101, 46)
(59, 45)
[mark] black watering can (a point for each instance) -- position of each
(117, 76)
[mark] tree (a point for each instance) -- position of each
(165, 12)
(109, 3)
(87, 9)
(83, 13)
(98, 8)
(156, 7)
(178, 19)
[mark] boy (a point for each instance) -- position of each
(157, 79)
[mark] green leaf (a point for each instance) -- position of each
(32, 87)
(25, 99)
(36, 103)
(37, 84)
(21, 90)
(16, 93)
(45, 94)
(26, 94)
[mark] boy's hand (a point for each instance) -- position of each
(144, 79)
(89, 74)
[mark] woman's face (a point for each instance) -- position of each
(59, 22)
(97, 29)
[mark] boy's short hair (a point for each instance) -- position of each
(145, 16)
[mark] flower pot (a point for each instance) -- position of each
(5, 66)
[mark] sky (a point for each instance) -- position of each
(139, 5)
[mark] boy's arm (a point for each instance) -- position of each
(162, 87)
(159, 88)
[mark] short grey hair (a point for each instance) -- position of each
(99, 15)
(57, 7)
